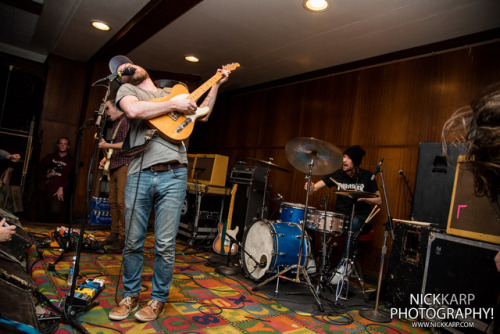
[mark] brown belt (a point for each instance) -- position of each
(166, 167)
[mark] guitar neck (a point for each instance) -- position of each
(196, 94)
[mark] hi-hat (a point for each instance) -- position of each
(270, 164)
(301, 151)
(355, 193)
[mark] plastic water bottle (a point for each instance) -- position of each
(71, 271)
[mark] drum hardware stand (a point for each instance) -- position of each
(375, 314)
(345, 262)
(300, 268)
(323, 247)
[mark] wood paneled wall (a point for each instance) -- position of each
(388, 109)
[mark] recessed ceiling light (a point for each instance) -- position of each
(315, 5)
(192, 59)
(100, 25)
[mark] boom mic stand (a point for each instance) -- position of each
(412, 195)
(68, 242)
(375, 314)
(69, 311)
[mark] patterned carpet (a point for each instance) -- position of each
(201, 300)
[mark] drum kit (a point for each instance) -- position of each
(281, 249)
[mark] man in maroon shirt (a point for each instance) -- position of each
(54, 179)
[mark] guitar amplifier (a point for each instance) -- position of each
(246, 174)
(208, 169)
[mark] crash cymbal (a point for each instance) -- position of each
(355, 194)
(300, 151)
(270, 164)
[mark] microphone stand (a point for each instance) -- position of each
(70, 311)
(412, 196)
(229, 269)
(375, 314)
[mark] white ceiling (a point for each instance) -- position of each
(271, 39)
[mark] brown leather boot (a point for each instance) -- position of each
(127, 305)
(150, 312)
(116, 247)
(112, 238)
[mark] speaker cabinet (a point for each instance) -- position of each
(434, 183)
(17, 299)
(462, 267)
(406, 263)
(248, 205)
(471, 216)
(208, 169)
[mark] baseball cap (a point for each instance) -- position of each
(116, 61)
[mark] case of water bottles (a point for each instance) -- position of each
(99, 212)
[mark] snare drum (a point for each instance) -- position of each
(292, 212)
(275, 246)
(334, 221)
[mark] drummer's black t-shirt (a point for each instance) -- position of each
(362, 182)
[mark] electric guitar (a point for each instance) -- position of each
(174, 126)
(222, 242)
(108, 153)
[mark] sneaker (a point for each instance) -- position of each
(311, 266)
(112, 238)
(338, 274)
(122, 311)
(150, 312)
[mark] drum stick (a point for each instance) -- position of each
(337, 183)
(371, 216)
(373, 210)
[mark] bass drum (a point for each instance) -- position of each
(275, 245)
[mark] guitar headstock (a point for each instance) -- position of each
(231, 67)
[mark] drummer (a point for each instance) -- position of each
(351, 177)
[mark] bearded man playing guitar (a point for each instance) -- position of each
(157, 176)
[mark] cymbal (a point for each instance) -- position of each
(355, 194)
(300, 151)
(270, 164)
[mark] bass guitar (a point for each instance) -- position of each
(222, 242)
(174, 126)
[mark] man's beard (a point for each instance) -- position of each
(138, 77)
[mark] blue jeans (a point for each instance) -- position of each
(166, 191)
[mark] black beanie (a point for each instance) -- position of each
(356, 153)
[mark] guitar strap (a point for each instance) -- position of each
(115, 133)
(133, 151)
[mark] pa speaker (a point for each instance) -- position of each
(434, 183)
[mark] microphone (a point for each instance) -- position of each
(377, 170)
(401, 172)
(127, 71)
(279, 197)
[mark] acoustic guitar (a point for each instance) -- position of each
(222, 242)
(174, 126)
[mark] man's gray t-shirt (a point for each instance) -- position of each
(158, 150)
